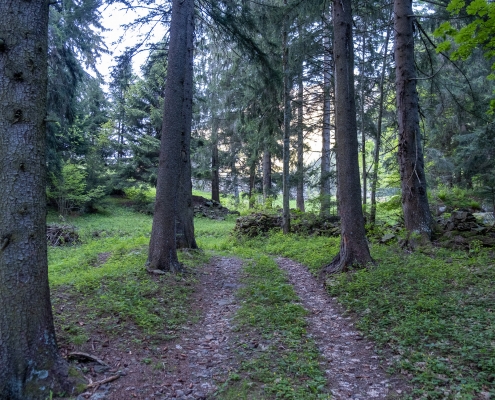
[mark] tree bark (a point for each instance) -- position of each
(215, 178)
(185, 219)
(363, 134)
(286, 133)
(162, 251)
(353, 245)
(267, 173)
(417, 215)
(325, 185)
(376, 154)
(30, 365)
(252, 180)
(300, 143)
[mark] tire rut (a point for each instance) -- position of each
(353, 368)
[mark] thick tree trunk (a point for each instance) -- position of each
(300, 144)
(215, 177)
(162, 251)
(185, 218)
(376, 154)
(353, 245)
(417, 215)
(267, 173)
(325, 185)
(286, 133)
(30, 366)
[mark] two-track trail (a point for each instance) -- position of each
(200, 360)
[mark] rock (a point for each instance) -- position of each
(387, 237)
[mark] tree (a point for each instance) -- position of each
(353, 244)
(417, 215)
(31, 365)
(173, 153)
(325, 178)
(287, 119)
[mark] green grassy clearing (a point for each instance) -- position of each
(435, 309)
(101, 285)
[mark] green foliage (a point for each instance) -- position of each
(454, 198)
(142, 199)
(477, 33)
(437, 317)
(105, 285)
(70, 190)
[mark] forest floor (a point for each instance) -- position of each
(208, 355)
(249, 320)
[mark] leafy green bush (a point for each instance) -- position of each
(69, 190)
(143, 200)
(454, 198)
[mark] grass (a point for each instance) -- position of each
(101, 285)
(278, 359)
(434, 309)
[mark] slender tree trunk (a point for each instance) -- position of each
(235, 179)
(287, 118)
(30, 365)
(300, 144)
(417, 215)
(376, 154)
(267, 172)
(325, 185)
(353, 245)
(215, 177)
(185, 218)
(363, 135)
(162, 251)
(252, 179)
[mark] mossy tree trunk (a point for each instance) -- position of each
(354, 249)
(417, 215)
(30, 365)
(300, 141)
(174, 155)
(185, 218)
(286, 131)
(325, 184)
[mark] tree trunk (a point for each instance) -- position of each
(286, 133)
(300, 144)
(363, 135)
(185, 218)
(30, 365)
(215, 178)
(252, 179)
(376, 154)
(325, 185)
(267, 173)
(162, 251)
(417, 215)
(353, 245)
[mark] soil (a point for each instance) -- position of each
(194, 365)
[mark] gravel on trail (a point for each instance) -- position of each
(353, 368)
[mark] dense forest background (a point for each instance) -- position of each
(104, 136)
(351, 137)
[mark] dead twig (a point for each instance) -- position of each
(102, 382)
(85, 356)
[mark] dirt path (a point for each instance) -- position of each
(190, 367)
(194, 365)
(353, 368)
